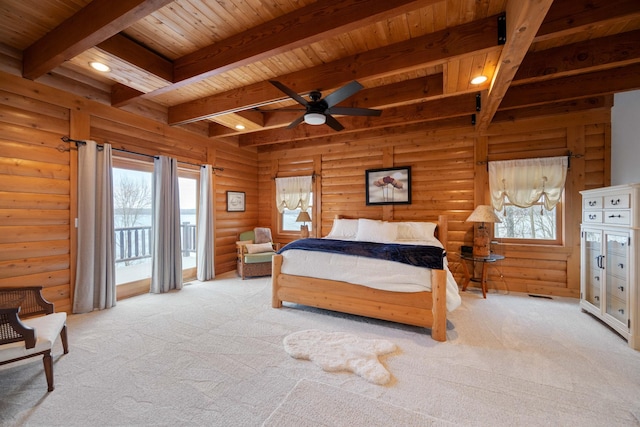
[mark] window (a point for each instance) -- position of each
(293, 195)
(537, 184)
(529, 225)
(288, 217)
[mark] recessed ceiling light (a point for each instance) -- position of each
(478, 80)
(99, 66)
(240, 127)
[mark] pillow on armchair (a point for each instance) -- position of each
(258, 248)
(262, 235)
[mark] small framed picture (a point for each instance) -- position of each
(235, 201)
(388, 186)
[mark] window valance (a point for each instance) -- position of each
(293, 192)
(523, 182)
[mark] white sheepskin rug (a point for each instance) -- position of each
(338, 351)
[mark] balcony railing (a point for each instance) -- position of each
(134, 243)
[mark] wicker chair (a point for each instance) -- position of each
(254, 257)
(35, 336)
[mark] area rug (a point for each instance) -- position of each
(315, 404)
(338, 351)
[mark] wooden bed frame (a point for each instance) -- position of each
(426, 309)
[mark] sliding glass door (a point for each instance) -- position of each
(132, 195)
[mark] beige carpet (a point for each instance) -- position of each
(212, 355)
(312, 404)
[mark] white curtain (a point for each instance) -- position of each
(95, 286)
(524, 182)
(166, 267)
(205, 242)
(293, 192)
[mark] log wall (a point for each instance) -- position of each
(38, 175)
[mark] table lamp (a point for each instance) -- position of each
(482, 238)
(304, 229)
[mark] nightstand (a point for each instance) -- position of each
(486, 261)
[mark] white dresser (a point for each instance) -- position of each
(609, 255)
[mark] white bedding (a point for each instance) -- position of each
(374, 273)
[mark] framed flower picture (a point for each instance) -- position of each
(235, 201)
(388, 186)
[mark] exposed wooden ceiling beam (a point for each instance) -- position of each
(523, 21)
(96, 22)
(567, 17)
(431, 49)
(138, 56)
(122, 95)
(592, 55)
(574, 87)
(453, 106)
(582, 104)
(370, 134)
(301, 27)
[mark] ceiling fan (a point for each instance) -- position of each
(319, 111)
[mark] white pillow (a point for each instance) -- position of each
(416, 230)
(344, 229)
(258, 248)
(370, 230)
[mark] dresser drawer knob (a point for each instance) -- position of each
(592, 202)
(621, 311)
(596, 297)
(592, 216)
(621, 288)
(621, 265)
(615, 216)
(615, 202)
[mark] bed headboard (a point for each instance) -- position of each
(441, 232)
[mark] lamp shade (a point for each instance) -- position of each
(483, 213)
(482, 240)
(303, 217)
(315, 118)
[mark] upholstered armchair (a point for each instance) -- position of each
(29, 327)
(255, 248)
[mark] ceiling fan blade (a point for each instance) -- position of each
(296, 122)
(352, 111)
(289, 92)
(343, 93)
(333, 123)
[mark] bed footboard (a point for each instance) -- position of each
(425, 309)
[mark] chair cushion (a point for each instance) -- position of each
(248, 235)
(259, 248)
(47, 330)
(257, 258)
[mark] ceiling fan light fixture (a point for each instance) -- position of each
(315, 119)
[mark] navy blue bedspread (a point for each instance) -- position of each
(418, 255)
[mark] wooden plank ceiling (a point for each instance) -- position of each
(210, 62)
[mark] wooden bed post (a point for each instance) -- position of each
(443, 230)
(439, 308)
(275, 272)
